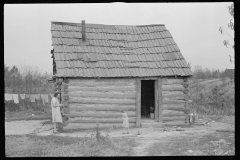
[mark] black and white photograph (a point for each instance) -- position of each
(119, 79)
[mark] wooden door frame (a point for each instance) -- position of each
(158, 99)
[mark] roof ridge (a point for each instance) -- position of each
(102, 25)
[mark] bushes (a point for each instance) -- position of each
(35, 106)
(218, 99)
(11, 106)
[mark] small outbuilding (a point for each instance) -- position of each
(102, 70)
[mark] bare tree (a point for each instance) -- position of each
(231, 26)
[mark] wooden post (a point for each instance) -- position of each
(138, 102)
(159, 81)
(156, 99)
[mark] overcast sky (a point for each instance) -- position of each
(194, 27)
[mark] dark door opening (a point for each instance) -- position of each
(147, 98)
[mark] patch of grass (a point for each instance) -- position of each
(56, 146)
(26, 115)
(194, 145)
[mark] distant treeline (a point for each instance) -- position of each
(200, 73)
(29, 80)
(26, 80)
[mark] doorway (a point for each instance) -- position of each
(148, 99)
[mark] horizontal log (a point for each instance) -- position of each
(164, 93)
(174, 97)
(174, 114)
(175, 123)
(103, 108)
(170, 111)
(96, 84)
(102, 89)
(172, 85)
(153, 125)
(173, 105)
(174, 118)
(86, 126)
(173, 101)
(175, 108)
(100, 120)
(101, 101)
(103, 95)
(172, 81)
(99, 115)
(169, 88)
(103, 80)
(100, 105)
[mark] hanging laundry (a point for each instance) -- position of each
(44, 98)
(27, 96)
(8, 97)
(37, 96)
(32, 98)
(51, 95)
(15, 98)
(22, 96)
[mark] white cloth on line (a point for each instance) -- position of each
(27, 96)
(37, 96)
(32, 98)
(51, 95)
(44, 98)
(22, 96)
(8, 97)
(15, 98)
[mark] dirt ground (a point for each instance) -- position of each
(145, 137)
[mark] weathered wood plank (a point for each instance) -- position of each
(173, 101)
(172, 81)
(102, 95)
(103, 92)
(86, 126)
(173, 105)
(174, 118)
(103, 89)
(169, 88)
(101, 105)
(95, 84)
(172, 85)
(160, 105)
(98, 114)
(175, 123)
(153, 125)
(103, 80)
(104, 108)
(174, 114)
(171, 92)
(138, 102)
(176, 108)
(101, 101)
(174, 96)
(100, 120)
(171, 111)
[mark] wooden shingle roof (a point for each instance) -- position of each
(116, 51)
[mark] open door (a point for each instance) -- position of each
(149, 110)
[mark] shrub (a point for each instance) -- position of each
(11, 106)
(213, 100)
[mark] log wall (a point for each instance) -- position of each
(99, 100)
(174, 101)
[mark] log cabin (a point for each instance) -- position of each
(101, 70)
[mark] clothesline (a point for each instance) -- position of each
(32, 97)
